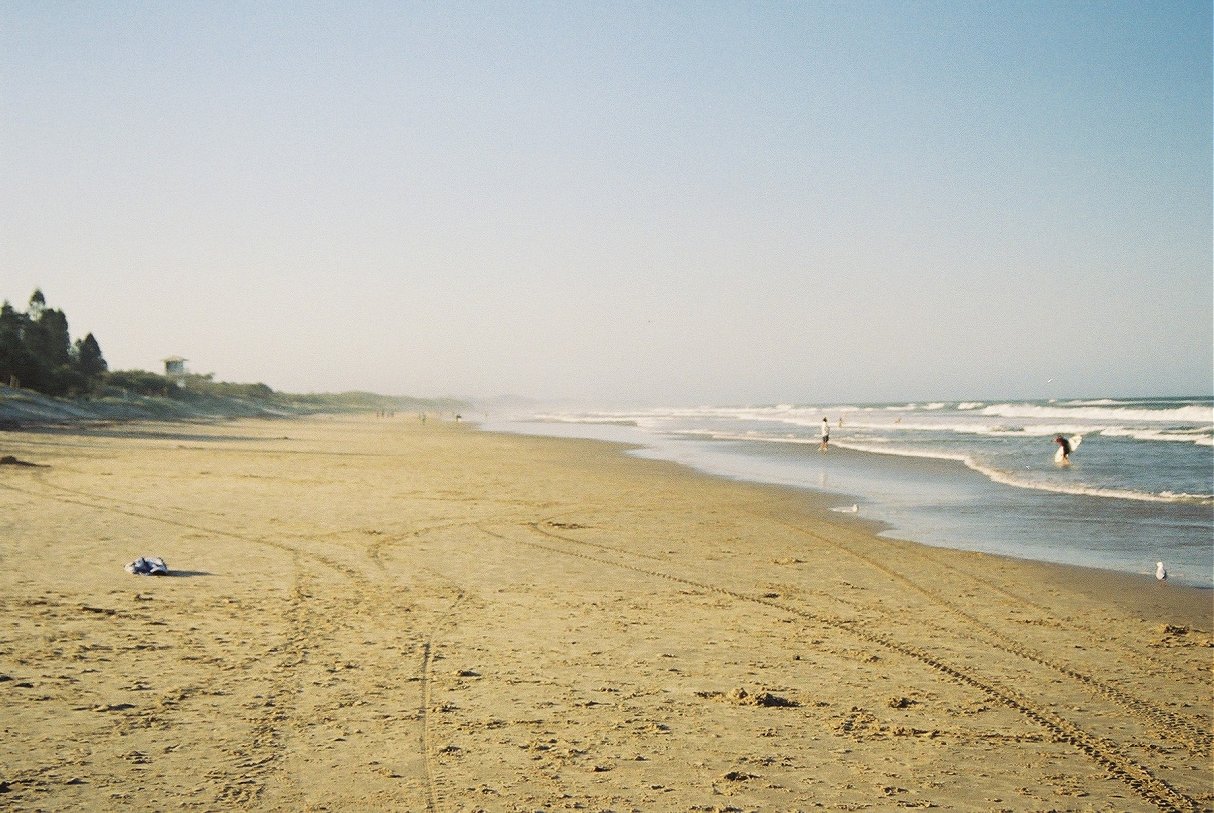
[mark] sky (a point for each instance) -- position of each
(665, 203)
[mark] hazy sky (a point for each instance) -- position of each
(727, 202)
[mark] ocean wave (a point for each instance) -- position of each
(1200, 437)
(974, 425)
(709, 434)
(895, 451)
(963, 426)
(583, 419)
(1016, 480)
(1086, 416)
(1079, 489)
(1153, 403)
(1097, 402)
(1006, 420)
(1187, 414)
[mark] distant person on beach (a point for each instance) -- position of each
(1064, 449)
(825, 435)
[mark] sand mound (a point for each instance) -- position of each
(741, 697)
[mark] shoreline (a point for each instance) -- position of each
(1177, 603)
(371, 613)
(1026, 524)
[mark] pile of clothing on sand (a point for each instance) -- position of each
(148, 566)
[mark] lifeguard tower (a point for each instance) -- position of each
(174, 368)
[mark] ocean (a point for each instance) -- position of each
(975, 475)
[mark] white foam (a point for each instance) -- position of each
(1201, 437)
(1008, 479)
(1020, 481)
(922, 454)
(1187, 414)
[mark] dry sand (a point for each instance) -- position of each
(380, 614)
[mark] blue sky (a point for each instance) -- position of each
(621, 202)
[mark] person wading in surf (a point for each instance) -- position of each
(1066, 449)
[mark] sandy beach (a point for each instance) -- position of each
(384, 614)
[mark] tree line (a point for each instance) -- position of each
(37, 352)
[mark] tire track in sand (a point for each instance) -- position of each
(1103, 752)
(1145, 660)
(433, 772)
(375, 552)
(266, 754)
(1164, 723)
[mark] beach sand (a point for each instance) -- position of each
(385, 614)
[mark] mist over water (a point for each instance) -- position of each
(970, 475)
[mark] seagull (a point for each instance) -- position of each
(1160, 572)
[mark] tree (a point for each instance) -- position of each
(13, 355)
(19, 359)
(48, 340)
(36, 351)
(89, 361)
(57, 339)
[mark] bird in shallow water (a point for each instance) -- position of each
(1161, 572)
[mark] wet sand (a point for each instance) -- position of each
(381, 614)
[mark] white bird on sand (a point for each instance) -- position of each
(1160, 572)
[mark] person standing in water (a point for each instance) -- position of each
(825, 435)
